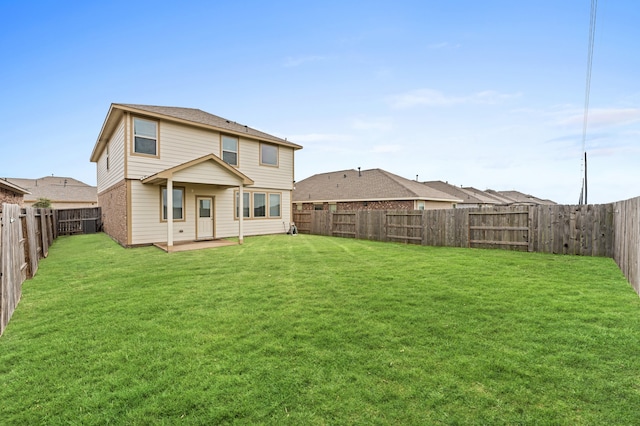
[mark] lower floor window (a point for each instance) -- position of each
(178, 203)
(246, 204)
(274, 205)
(259, 205)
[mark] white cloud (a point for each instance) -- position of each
(430, 97)
(300, 60)
(385, 149)
(320, 137)
(383, 123)
(603, 117)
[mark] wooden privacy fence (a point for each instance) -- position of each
(25, 237)
(608, 230)
(584, 230)
(626, 250)
(86, 220)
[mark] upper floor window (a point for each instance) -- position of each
(268, 154)
(145, 136)
(230, 150)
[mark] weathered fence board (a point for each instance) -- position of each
(405, 226)
(302, 220)
(627, 240)
(580, 230)
(343, 224)
(32, 235)
(24, 238)
(502, 228)
(12, 261)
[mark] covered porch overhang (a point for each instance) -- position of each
(207, 170)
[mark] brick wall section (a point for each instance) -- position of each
(10, 197)
(114, 212)
(365, 205)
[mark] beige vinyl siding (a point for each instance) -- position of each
(109, 177)
(206, 172)
(280, 177)
(147, 227)
(225, 225)
(434, 205)
(178, 144)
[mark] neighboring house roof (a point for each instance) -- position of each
(490, 198)
(467, 197)
(57, 189)
(483, 196)
(190, 116)
(365, 185)
(521, 198)
(4, 183)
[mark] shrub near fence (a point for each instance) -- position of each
(608, 230)
(25, 237)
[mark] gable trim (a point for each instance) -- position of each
(168, 173)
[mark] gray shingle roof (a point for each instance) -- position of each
(57, 189)
(466, 196)
(519, 197)
(13, 187)
(374, 184)
(483, 196)
(202, 117)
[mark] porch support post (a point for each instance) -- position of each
(169, 213)
(240, 213)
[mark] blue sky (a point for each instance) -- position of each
(487, 94)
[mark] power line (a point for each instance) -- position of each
(587, 91)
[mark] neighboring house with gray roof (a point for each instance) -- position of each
(63, 192)
(374, 189)
(517, 197)
(486, 199)
(470, 199)
(170, 174)
(12, 193)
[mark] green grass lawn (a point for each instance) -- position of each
(318, 330)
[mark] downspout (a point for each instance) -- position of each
(240, 212)
(169, 213)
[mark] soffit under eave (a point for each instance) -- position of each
(108, 127)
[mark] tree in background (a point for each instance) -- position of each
(42, 203)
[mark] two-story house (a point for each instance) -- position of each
(169, 174)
